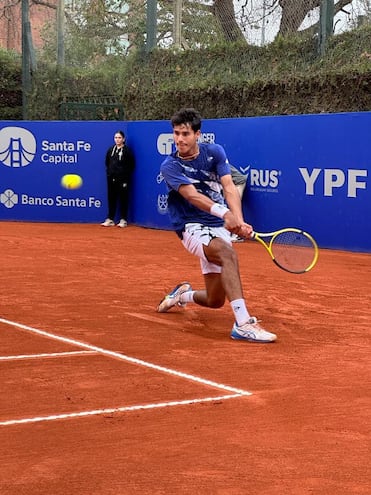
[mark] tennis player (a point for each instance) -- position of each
(205, 208)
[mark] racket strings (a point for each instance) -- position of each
(293, 251)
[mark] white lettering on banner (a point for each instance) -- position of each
(65, 146)
(207, 137)
(83, 146)
(334, 179)
(94, 202)
(56, 159)
(59, 201)
(264, 178)
(35, 201)
(74, 202)
(310, 179)
(353, 184)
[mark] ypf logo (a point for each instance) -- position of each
(165, 144)
(17, 147)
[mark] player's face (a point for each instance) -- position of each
(186, 139)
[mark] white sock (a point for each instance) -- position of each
(240, 311)
(187, 297)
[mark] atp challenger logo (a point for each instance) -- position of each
(165, 143)
(17, 147)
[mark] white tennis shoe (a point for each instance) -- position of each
(173, 297)
(108, 223)
(122, 223)
(252, 332)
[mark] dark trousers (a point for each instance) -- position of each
(118, 195)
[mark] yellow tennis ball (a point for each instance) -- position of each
(71, 181)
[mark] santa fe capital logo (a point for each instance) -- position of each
(17, 147)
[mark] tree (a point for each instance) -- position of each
(95, 29)
(295, 11)
(223, 10)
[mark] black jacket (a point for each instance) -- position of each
(120, 163)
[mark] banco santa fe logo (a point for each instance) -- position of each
(9, 198)
(17, 147)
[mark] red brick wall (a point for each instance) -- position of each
(11, 24)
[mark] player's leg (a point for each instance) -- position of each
(246, 327)
(219, 265)
(213, 296)
(221, 253)
(221, 275)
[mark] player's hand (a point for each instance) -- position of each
(231, 223)
(245, 231)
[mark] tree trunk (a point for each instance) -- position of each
(294, 13)
(223, 10)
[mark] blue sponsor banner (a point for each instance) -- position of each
(34, 158)
(310, 171)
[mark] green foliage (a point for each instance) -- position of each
(10, 86)
(226, 80)
(90, 33)
(70, 84)
(235, 80)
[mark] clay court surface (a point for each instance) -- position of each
(101, 395)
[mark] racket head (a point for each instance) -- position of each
(291, 249)
(294, 250)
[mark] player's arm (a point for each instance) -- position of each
(190, 193)
(233, 200)
(231, 222)
(232, 197)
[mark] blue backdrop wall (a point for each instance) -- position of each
(310, 171)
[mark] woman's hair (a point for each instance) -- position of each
(187, 116)
(120, 132)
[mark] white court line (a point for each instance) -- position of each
(95, 412)
(129, 359)
(51, 354)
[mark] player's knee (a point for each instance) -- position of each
(228, 255)
(215, 302)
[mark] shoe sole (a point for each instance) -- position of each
(236, 336)
(252, 340)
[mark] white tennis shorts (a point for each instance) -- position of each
(196, 235)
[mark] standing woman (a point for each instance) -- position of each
(119, 168)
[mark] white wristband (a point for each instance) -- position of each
(218, 210)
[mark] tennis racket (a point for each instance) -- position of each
(291, 249)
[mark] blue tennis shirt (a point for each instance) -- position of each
(204, 173)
